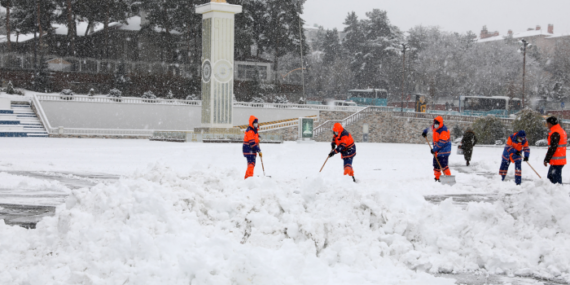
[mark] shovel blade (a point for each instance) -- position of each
(447, 180)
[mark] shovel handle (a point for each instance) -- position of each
(324, 164)
(435, 156)
(534, 170)
(262, 166)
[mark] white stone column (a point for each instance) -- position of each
(218, 63)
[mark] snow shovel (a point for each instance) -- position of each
(534, 170)
(324, 164)
(445, 179)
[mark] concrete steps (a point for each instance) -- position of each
(20, 121)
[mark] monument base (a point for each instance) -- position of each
(218, 135)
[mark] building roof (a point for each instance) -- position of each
(525, 34)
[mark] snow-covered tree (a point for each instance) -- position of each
(170, 95)
(331, 47)
(192, 97)
(115, 93)
(532, 123)
(10, 88)
(281, 99)
(489, 129)
(148, 95)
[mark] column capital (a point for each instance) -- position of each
(218, 6)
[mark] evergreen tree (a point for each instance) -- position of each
(283, 35)
(121, 79)
(42, 77)
(331, 47)
(354, 39)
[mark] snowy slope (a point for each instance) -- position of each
(182, 213)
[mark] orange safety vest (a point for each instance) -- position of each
(559, 157)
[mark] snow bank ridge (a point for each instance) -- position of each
(160, 227)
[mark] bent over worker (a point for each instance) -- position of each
(556, 155)
(343, 143)
(251, 146)
(516, 144)
(441, 147)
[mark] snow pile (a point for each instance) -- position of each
(210, 227)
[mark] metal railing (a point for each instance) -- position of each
(128, 100)
(298, 106)
(352, 118)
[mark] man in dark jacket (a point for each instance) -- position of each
(556, 155)
(467, 143)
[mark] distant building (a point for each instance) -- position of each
(544, 40)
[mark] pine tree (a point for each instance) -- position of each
(42, 77)
(121, 79)
(331, 47)
(10, 88)
(282, 35)
(354, 39)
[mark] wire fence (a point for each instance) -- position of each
(94, 66)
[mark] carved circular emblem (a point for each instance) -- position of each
(206, 71)
(223, 71)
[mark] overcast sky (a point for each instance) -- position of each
(451, 15)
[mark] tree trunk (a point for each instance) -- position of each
(8, 25)
(40, 27)
(88, 27)
(106, 28)
(71, 29)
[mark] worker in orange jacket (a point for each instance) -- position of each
(556, 155)
(343, 143)
(251, 146)
(516, 145)
(441, 147)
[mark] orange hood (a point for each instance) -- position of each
(252, 120)
(338, 128)
(438, 119)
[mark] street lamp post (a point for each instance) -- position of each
(404, 48)
(525, 45)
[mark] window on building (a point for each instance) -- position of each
(247, 72)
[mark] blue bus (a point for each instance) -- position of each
(494, 105)
(369, 97)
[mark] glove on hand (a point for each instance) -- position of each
(526, 159)
(333, 146)
(432, 151)
(518, 153)
(424, 134)
(331, 154)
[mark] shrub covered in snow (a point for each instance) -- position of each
(10, 88)
(457, 132)
(257, 100)
(192, 97)
(489, 129)
(532, 123)
(542, 143)
(66, 94)
(170, 95)
(115, 93)
(91, 92)
(281, 99)
(148, 95)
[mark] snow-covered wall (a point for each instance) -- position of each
(99, 115)
(95, 115)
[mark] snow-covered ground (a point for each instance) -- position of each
(182, 214)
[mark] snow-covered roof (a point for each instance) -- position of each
(525, 34)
